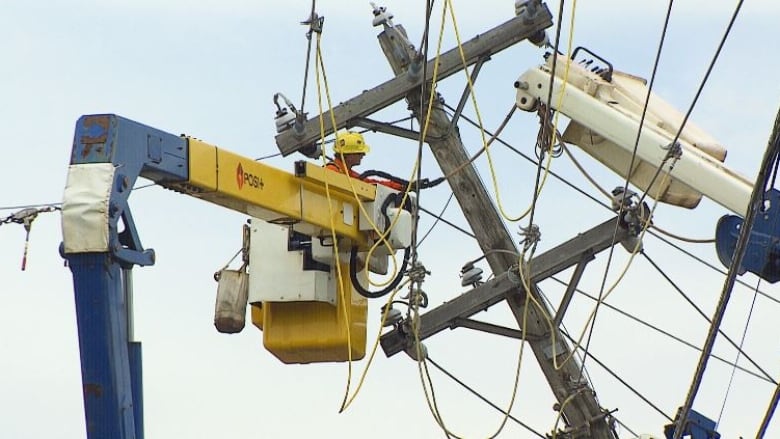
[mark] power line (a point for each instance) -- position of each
(699, 310)
(736, 360)
(663, 332)
(631, 166)
(58, 204)
(485, 400)
(454, 226)
(30, 206)
(438, 218)
(711, 266)
(529, 159)
(617, 377)
(604, 205)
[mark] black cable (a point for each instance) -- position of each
(529, 159)
(699, 310)
(438, 218)
(384, 291)
(353, 262)
(454, 226)
(592, 324)
(606, 206)
(308, 54)
(736, 360)
(709, 265)
(485, 400)
(268, 156)
(617, 377)
(663, 332)
(30, 206)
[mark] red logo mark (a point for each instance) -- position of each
(240, 176)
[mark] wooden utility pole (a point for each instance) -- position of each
(577, 401)
(581, 412)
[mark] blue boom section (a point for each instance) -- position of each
(101, 314)
(110, 361)
(762, 254)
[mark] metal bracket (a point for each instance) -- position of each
(696, 426)
(467, 90)
(459, 322)
(572, 287)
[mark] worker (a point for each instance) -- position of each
(349, 149)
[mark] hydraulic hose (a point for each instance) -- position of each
(384, 291)
(353, 261)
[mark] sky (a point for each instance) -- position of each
(210, 69)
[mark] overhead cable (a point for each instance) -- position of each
(484, 399)
(664, 332)
(699, 310)
(623, 203)
(736, 360)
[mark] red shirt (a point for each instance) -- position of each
(338, 166)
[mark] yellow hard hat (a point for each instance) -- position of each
(350, 143)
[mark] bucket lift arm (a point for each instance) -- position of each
(606, 106)
(109, 154)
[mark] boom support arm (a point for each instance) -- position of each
(109, 154)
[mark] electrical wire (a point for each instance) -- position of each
(430, 396)
(438, 218)
(493, 137)
(682, 238)
(664, 332)
(312, 17)
(608, 195)
(483, 398)
(385, 313)
(472, 95)
(625, 187)
(755, 205)
(606, 206)
(736, 360)
(31, 206)
(711, 266)
(582, 170)
(269, 156)
(547, 141)
(701, 312)
(603, 294)
(454, 226)
(620, 380)
(770, 411)
(58, 204)
(531, 160)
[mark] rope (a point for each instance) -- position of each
(343, 296)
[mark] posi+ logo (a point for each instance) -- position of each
(250, 180)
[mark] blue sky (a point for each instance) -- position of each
(210, 69)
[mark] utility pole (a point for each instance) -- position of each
(576, 400)
(581, 412)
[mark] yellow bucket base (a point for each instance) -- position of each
(313, 332)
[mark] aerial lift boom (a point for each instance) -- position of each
(111, 152)
(101, 244)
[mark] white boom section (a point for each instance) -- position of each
(609, 119)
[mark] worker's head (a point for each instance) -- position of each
(351, 146)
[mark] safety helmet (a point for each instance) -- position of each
(350, 143)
